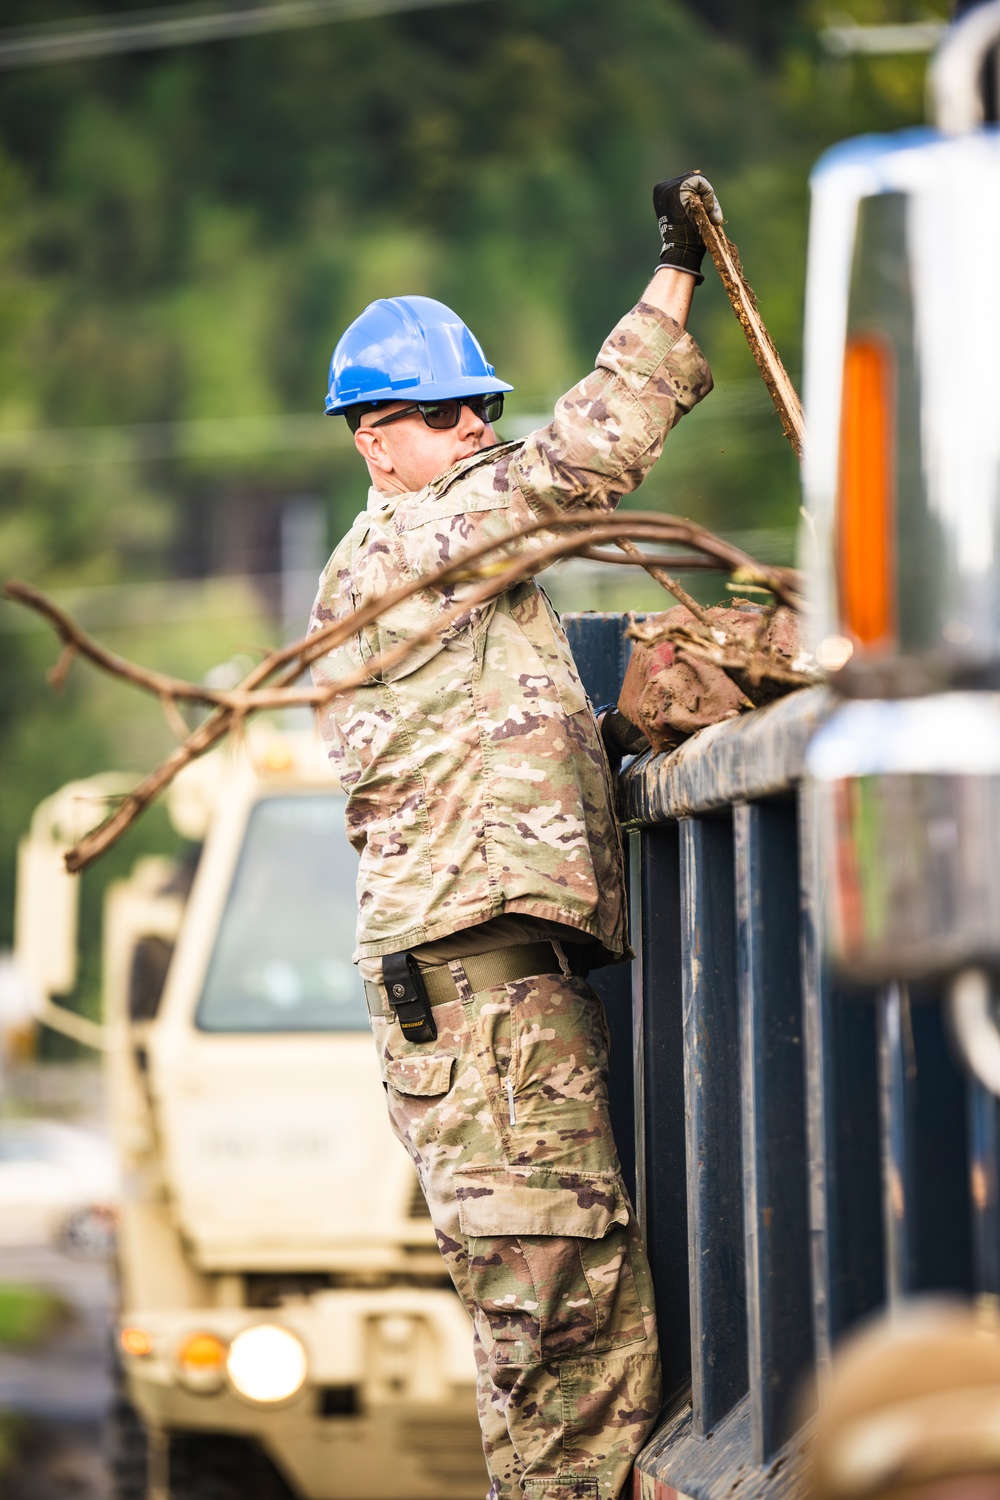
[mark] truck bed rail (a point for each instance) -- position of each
(804, 1150)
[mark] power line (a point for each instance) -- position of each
(245, 596)
(172, 601)
(181, 26)
(291, 432)
(205, 438)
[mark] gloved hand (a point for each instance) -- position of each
(683, 248)
(621, 737)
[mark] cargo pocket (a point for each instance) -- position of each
(417, 1090)
(549, 1264)
(423, 1076)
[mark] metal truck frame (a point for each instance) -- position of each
(814, 1015)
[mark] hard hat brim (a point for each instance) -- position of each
(466, 385)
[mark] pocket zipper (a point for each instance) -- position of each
(510, 1099)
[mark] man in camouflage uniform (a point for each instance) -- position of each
(480, 801)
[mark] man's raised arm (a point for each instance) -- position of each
(608, 431)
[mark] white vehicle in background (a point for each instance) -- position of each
(286, 1327)
(59, 1185)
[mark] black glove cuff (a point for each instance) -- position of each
(683, 249)
(668, 263)
(620, 735)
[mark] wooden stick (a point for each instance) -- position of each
(727, 262)
(663, 578)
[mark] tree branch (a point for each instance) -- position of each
(494, 566)
(78, 643)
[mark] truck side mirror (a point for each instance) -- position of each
(45, 916)
(964, 78)
(47, 902)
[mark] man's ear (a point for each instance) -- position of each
(371, 445)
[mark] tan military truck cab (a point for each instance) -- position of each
(286, 1326)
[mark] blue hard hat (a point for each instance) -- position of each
(407, 349)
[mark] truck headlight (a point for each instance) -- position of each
(266, 1363)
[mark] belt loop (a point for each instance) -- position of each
(457, 969)
(377, 1002)
(564, 962)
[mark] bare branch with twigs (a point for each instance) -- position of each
(491, 568)
(754, 659)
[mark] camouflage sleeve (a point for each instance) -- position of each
(608, 431)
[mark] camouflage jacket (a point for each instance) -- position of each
(476, 781)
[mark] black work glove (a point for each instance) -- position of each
(620, 735)
(683, 248)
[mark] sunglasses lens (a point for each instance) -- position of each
(441, 414)
(487, 408)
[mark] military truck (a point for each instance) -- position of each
(816, 886)
(285, 1326)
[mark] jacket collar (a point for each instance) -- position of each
(383, 506)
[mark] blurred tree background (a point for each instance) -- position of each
(185, 233)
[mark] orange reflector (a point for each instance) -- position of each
(202, 1351)
(866, 510)
(278, 758)
(136, 1341)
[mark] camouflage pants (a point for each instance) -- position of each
(505, 1116)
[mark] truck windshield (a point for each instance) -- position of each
(282, 957)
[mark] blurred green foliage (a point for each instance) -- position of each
(28, 1314)
(184, 234)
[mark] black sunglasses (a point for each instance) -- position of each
(444, 414)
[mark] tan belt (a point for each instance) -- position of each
(482, 970)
